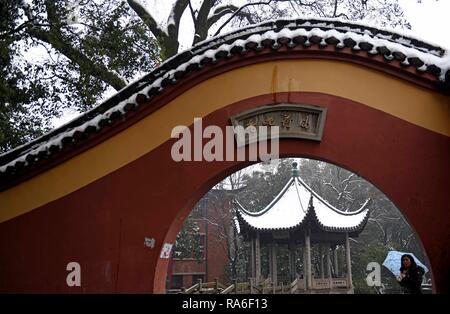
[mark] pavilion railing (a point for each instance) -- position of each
(205, 287)
(326, 283)
(293, 287)
(318, 283)
(301, 284)
(264, 287)
(339, 282)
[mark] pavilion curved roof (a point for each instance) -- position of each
(296, 206)
(397, 54)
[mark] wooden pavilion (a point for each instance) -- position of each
(301, 219)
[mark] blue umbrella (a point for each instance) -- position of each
(393, 262)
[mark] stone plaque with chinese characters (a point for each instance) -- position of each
(294, 121)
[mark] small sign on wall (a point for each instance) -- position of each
(165, 252)
(149, 242)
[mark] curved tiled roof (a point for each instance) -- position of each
(298, 205)
(397, 54)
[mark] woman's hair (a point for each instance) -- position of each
(413, 262)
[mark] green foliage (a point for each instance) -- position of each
(363, 255)
(187, 244)
(48, 65)
(17, 88)
(263, 186)
(56, 56)
(238, 268)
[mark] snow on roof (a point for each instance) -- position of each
(295, 205)
(271, 35)
(344, 26)
(236, 223)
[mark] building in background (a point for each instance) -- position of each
(212, 259)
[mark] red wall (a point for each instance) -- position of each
(103, 225)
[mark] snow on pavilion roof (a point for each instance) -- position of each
(428, 63)
(298, 204)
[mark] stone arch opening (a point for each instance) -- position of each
(387, 276)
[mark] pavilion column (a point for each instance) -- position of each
(322, 275)
(328, 258)
(270, 244)
(292, 271)
(348, 261)
(335, 258)
(304, 262)
(308, 258)
(252, 259)
(274, 265)
(257, 258)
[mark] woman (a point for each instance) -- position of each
(410, 275)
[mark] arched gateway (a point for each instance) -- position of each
(104, 192)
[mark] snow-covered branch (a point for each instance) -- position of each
(238, 11)
(147, 18)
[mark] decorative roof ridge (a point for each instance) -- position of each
(267, 35)
(241, 208)
(356, 212)
(312, 217)
(357, 227)
(389, 34)
(305, 218)
(310, 214)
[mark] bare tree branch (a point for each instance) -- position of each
(146, 17)
(219, 12)
(342, 15)
(55, 38)
(237, 12)
(173, 26)
(192, 12)
(168, 44)
(335, 8)
(332, 187)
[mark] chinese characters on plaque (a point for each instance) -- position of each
(293, 120)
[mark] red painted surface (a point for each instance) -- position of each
(377, 62)
(102, 226)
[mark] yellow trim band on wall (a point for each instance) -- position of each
(399, 98)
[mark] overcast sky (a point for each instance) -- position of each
(428, 18)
